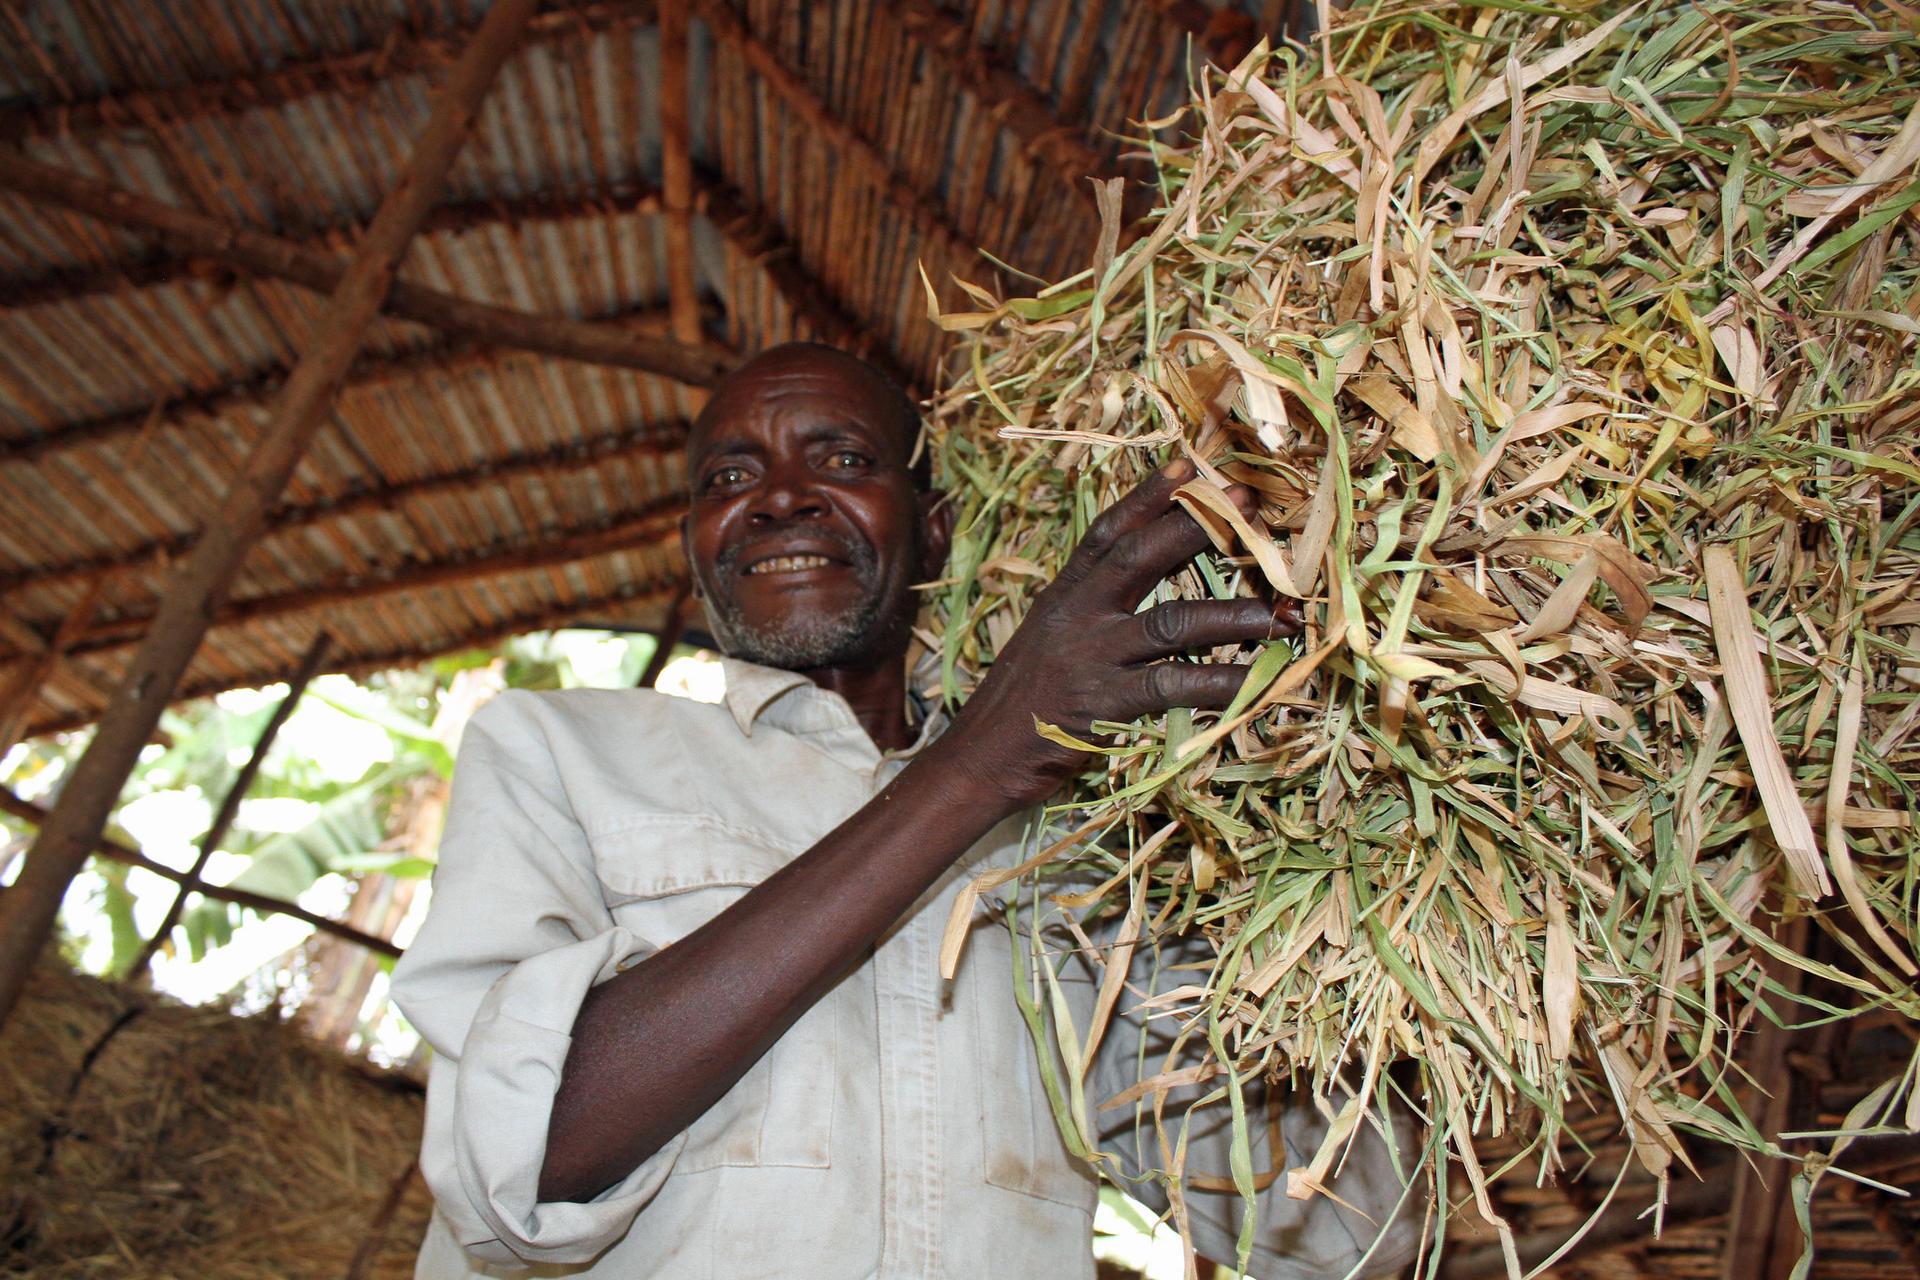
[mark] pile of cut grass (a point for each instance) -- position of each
(1572, 351)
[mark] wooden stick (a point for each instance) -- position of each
(403, 49)
(660, 441)
(107, 847)
(1016, 106)
(923, 211)
(668, 637)
(29, 908)
(676, 171)
(585, 612)
(754, 233)
(16, 704)
(196, 235)
(230, 803)
(648, 527)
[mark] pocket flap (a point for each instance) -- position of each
(658, 855)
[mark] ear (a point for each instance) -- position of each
(936, 532)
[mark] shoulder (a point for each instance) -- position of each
(566, 715)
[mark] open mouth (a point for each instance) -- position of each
(788, 564)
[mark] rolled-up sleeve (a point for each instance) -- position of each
(518, 933)
(1372, 1229)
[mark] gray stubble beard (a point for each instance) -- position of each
(802, 644)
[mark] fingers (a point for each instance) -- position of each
(1148, 500)
(1151, 690)
(1187, 626)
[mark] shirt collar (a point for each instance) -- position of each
(752, 688)
(753, 691)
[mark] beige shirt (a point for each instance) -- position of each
(898, 1131)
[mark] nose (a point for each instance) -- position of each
(787, 493)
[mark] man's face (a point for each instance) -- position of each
(804, 531)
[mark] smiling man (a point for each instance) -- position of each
(680, 974)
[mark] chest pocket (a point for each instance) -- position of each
(1023, 1149)
(664, 878)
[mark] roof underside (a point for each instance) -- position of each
(462, 491)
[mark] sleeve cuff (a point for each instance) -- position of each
(508, 1074)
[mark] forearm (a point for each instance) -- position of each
(655, 1047)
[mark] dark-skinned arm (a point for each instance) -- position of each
(654, 1047)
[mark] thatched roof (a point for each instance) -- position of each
(465, 489)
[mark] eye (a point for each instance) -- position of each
(848, 460)
(724, 478)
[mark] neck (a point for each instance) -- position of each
(877, 692)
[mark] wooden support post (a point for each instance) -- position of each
(669, 636)
(24, 689)
(196, 235)
(107, 847)
(1763, 1241)
(230, 804)
(28, 909)
(676, 171)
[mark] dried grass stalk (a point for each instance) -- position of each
(1571, 349)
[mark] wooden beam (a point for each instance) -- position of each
(25, 640)
(754, 234)
(257, 389)
(923, 211)
(182, 231)
(584, 612)
(654, 440)
(649, 527)
(1009, 101)
(30, 906)
(667, 638)
(676, 171)
(396, 51)
(157, 267)
(107, 847)
(16, 703)
(1762, 1237)
(216, 832)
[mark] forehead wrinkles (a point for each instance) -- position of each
(796, 400)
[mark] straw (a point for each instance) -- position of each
(1571, 351)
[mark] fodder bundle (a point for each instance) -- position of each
(1571, 351)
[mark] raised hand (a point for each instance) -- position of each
(1083, 653)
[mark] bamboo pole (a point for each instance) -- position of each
(28, 909)
(230, 804)
(107, 847)
(185, 232)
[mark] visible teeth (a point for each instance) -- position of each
(790, 564)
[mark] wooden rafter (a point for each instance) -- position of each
(256, 252)
(1016, 106)
(584, 610)
(159, 267)
(396, 53)
(256, 390)
(67, 838)
(925, 212)
(652, 526)
(108, 847)
(755, 235)
(676, 171)
(660, 441)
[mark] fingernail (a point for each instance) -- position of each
(1286, 618)
(1178, 470)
